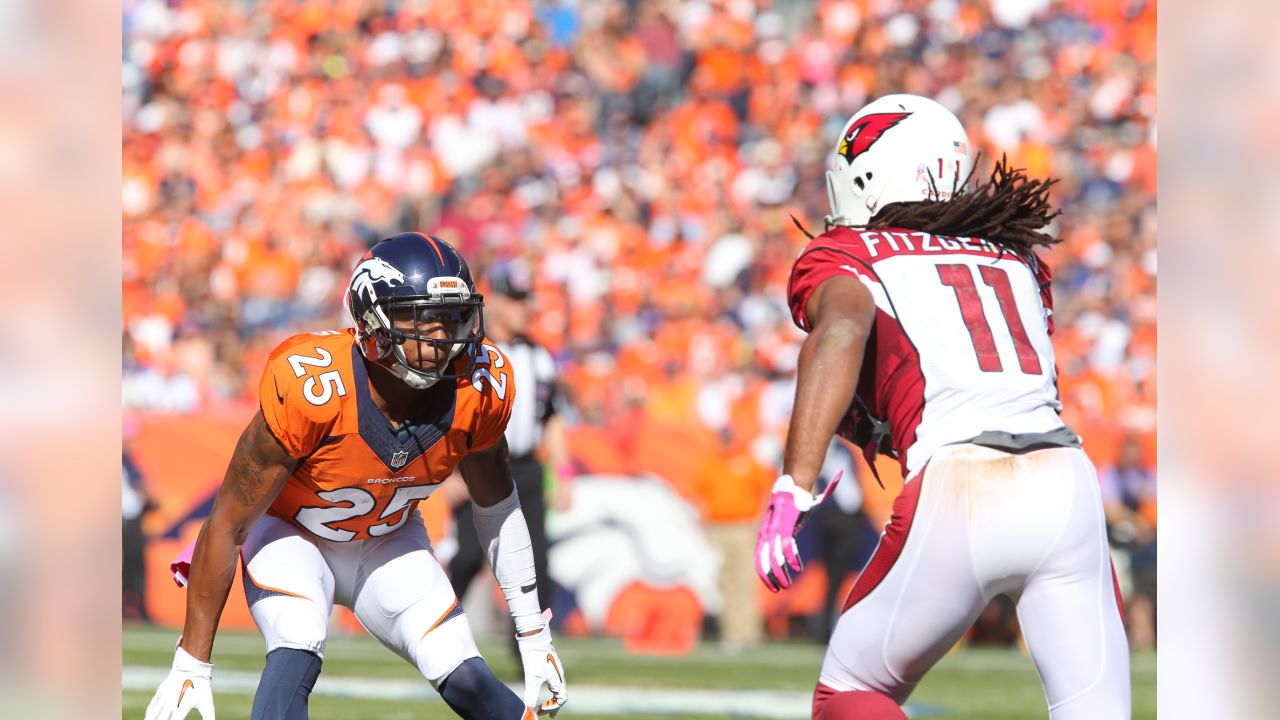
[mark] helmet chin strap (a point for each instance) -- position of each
(414, 380)
(400, 368)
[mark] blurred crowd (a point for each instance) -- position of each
(643, 160)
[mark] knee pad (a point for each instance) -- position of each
(286, 685)
(291, 622)
(862, 705)
(448, 641)
(475, 694)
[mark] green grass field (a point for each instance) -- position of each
(362, 680)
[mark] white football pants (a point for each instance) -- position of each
(974, 524)
(392, 583)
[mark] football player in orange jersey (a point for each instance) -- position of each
(357, 427)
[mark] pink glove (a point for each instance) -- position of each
(181, 565)
(777, 557)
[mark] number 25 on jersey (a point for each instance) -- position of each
(329, 382)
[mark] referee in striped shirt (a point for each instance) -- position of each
(533, 424)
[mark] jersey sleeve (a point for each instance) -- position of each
(298, 425)
(818, 263)
(495, 388)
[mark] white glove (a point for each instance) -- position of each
(542, 666)
(189, 686)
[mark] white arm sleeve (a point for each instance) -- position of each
(505, 538)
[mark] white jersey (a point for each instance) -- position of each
(960, 349)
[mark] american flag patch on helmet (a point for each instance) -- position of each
(960, 147)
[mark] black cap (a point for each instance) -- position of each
(513, 279)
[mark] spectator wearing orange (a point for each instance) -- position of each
(729, 485)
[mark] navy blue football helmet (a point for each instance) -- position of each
(406, 289)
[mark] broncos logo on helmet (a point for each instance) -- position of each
(422, 277)
(371, 272)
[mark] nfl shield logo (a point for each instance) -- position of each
(399, 459)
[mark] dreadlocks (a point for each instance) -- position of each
(1009, 210)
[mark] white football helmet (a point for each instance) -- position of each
(890, 151)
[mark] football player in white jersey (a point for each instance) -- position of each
(928, 316)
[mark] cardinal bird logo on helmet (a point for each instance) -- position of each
(865, 131)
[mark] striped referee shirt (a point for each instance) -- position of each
(536, 382)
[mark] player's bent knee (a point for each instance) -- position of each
(829, 704)
(289, 622)
(443, 648)
(475, 693)
(286, 685)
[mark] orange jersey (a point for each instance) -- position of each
(357, 477)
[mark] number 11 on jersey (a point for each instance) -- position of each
(960, 279)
